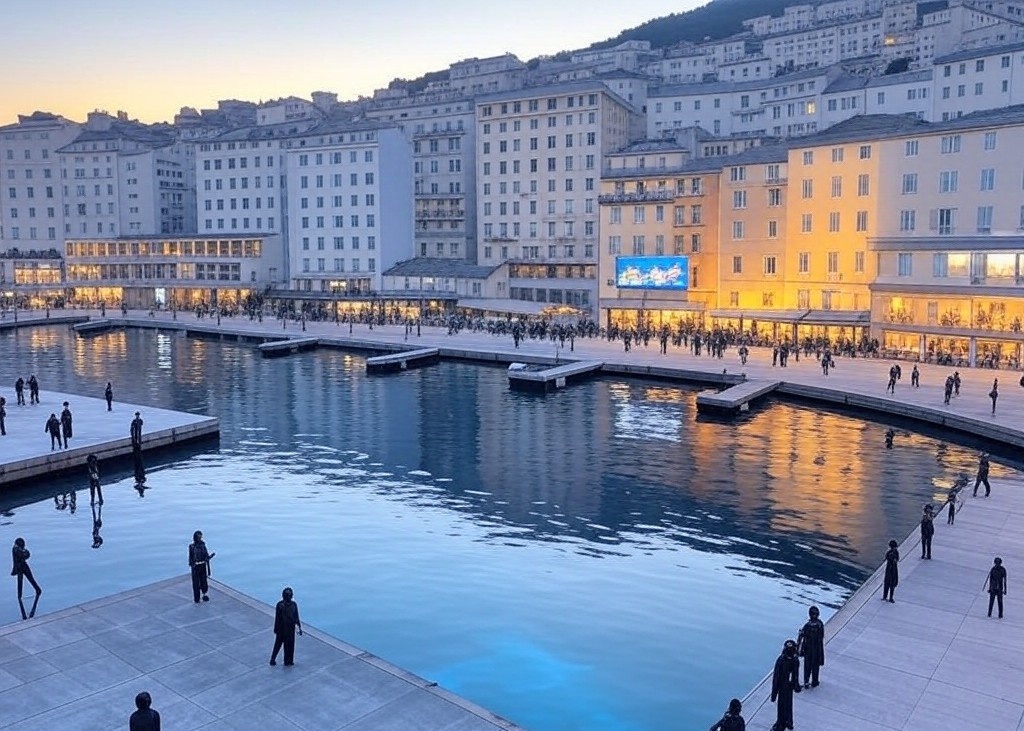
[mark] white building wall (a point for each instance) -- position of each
(983, 81)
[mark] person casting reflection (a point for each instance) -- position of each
(811, 647)
(20, 556)
(92, 465)
(892, 572)
(785, 682)
(286, 620)
(199, 563)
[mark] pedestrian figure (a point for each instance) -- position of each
(19, 390)
(144, 718)
(982, 477)
(891, 388)
(915, 377)
(92, 465)
(136, 430)
(889, 437)
(286, 620)
(951, 504)
(994, 394)
(785, 682)
(810, 645)
(33, 389)
(3, 416)
(108, 394)
(732, 720)
(65, 424)
(199, 563)
(927, 531)
(20, 556)
(53, 429)
(948, 390)
(892, 572)
(996, 585)
(956, 383)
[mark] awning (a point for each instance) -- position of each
(504, 306)
(637, 303)
(837, 317)
(787, 316)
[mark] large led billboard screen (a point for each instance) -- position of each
(652, 272)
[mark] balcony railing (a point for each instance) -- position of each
(650, 196)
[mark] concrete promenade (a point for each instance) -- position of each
(206, 667)
(933, 661)
(855, 382)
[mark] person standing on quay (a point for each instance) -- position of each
(108, 394)
(20, 556)
(19, 390)
(996, 585)
(286, 620)
(811, 647)
(927, 531)
(982, 476)
(994, 394)
(947, 390)
(785, 682)
(136, 430)
(732, 720)
(892, 572)
(65, 424)
(3, 415)
(915, 377)
(53, 429)
(33, 389)
(144, 718)
(199, 563)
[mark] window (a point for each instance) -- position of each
(948, 181)
(774, 197)
(833, 262)
(737, 174)
(990, 141)
(806, 223)
(739, 199)
(984, 219)
(945, 221)
(837, 154)
(865, 152)
(808, 157)
(910, 148)
(950, 144)
(737, 265)
(737, 230)
(940, 265)
(837, 186)
(833, 222)
(858, 262)
(988, 179)
(803, 262)
(904, 265)
(863, 185)
(862, 221)
(769, 265)
(807, 188)
(909, 183)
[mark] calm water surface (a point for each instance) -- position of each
(597, 559)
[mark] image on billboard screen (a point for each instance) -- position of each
(652, 272)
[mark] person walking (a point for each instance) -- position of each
(891, 388)
(996, 585)
(994, 394)
(951, 505)
(19, 390)
(108, 394)
(66, 424)
(286, 620)
(982, 477)
(33, 389)
(92, 466)
(3, 416)
(20, 556)
(145, 718)
(947, 390)
(915, 377)
(199, 563)
(956, 383)
(810, 644)
(785, 682)
(732, 720)
(927, 531)
(53, 429)
(135, 430)
(892, 572)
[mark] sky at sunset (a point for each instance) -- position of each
(150, 59)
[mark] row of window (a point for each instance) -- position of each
(138, 272)
(678, 214)
(534, 124)
(679, 245)
(533, 252)
(568, 209)
(533, 105)
(320, 265)
(338, 243)
(221, 248)
(551, 227)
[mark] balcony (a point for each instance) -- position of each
(651, 196)
(439, 213)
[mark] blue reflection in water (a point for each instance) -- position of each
(597, 559)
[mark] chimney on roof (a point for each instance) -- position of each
(122, 116)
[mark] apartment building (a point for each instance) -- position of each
(122, 177)
(538, 155)
(31, 277)
(441, 129)
(31, 188)
(475, 76)
(350, 206)
(976, 79)
(659, 234)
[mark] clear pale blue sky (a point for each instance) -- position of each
(150, 59)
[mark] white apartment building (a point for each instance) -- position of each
(799, 17)
(825, 44)
(627, 56)
(122, 177)
(441, 130)
(474, 76)
(850, 96)
(539, 153)
(31, 195)
(977, 79)
(684, 66)
(349, 206)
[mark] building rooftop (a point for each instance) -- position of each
(569, 87)
(970, 53)
(715, 87)
(129, 131)
(430, 267)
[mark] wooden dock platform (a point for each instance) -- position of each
(26, 447)
(279, 348)
(402, 360)
(96, 327)
(735, 398)
(552, 378)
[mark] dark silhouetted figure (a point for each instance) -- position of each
(108, 394)
(732, 720)
(136, 430)
(927, 531)
(19, 390)
(20, 556)
(889, 437)
(3, 416)
(199, 563)
(915, 377)
(97, 523)
(994, 394)
(892, 572)
(139, 467)
(947, 390)
(811, 647)
(956, 383)
(92, 465)
(785, 682)
(996, 585)
(954, 492)
(286, 620)
(982, 477)
(53, 429)
(144, 718)
(65, 424)
(33, 389)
